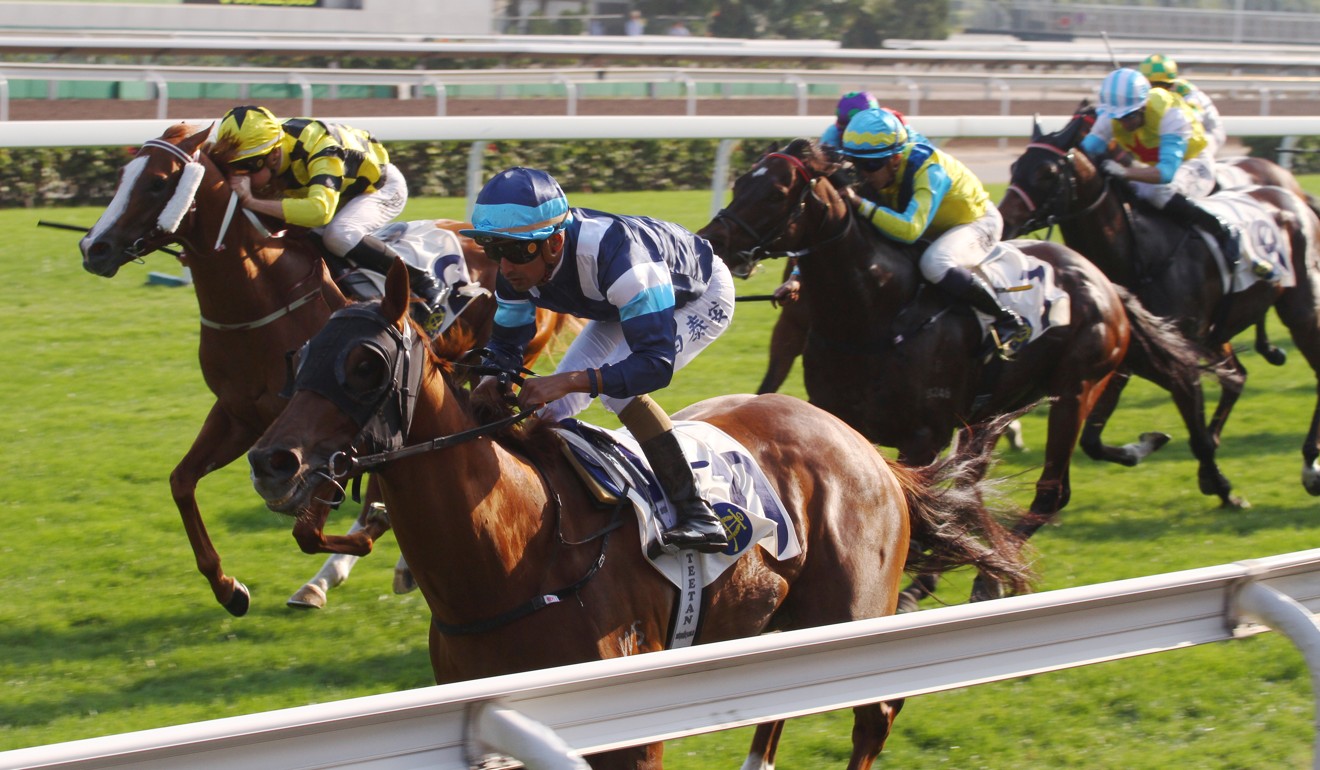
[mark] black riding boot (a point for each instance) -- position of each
(1010, 329)
(1183, 209)
(373, 253)
(697, 528)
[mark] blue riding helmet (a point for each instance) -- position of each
(874, 133)
(524, 204)
(1123, 92)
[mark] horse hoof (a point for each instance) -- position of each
(985, 590)
(1275, 356)
(1154, 441)
(403, 581)
(906, 603)
(309, 597)
(1235, 503)
(239, 603)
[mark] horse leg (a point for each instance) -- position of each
(872, 724)
(787, 341)
(1232, 377)
(220, 441)
(1092, 441)
(765, 742)
(1268, 350)
(312, 595)
(403, 577)
(373, 522)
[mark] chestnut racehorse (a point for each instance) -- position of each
(260, 298)
(906, 366)
(1175, 276)
(494, 525)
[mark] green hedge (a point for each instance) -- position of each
(1305, 162)
(49, 176)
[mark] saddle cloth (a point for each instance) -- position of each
(727, 477)
(1229, 176)
(431, 248)
(1261, 236)
(1026, 285)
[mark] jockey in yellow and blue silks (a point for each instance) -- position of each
(654, 296)
(1162, 72)
(333, 179)
(922, 192)
(1177, 163)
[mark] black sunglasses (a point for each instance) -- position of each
(248, 165)
(870, 165)
(516, 251)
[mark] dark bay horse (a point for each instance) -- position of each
(260, 298)
(1176, 276)
(903, 364)
(489, 522)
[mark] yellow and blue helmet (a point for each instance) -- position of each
(1158, 68)
(1123, 92)
(524, 204)
(253, 130)
(874, 133)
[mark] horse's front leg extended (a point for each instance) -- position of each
(1092, 441)
(787, 341)
(220, 441)
(371, 523)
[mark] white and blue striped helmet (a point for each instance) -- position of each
(1123, 92)
(524, 204)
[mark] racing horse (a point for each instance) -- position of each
(522, 568)
(900, 362)
(261, 298)
(1176, 276)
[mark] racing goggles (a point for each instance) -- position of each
(516, 251)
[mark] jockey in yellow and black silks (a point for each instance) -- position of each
(922, 192)
(330, 178)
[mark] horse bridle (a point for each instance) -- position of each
(1058, 208)
(760, 248)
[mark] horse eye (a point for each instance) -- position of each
(365, 373)
(159, 184)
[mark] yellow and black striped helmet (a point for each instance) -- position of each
(253, 130)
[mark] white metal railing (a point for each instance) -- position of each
(951, 82)
(482, 130)
(627, 701)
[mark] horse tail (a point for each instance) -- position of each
(550, 328)
(951, 525)
(1158, 351)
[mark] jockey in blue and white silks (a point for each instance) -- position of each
(654, 296)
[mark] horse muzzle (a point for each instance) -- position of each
(284, 480)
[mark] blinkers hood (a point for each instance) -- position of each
(384, 412)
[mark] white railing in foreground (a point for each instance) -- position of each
(664, 695)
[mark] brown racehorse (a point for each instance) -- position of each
(490, 524)
(260, 298)
(1175, 275)
(906, 366)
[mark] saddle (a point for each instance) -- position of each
(1261, 237)
(613, 467)
(426, 247)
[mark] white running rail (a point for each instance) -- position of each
(552, 716)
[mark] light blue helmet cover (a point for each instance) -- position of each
(524, 204)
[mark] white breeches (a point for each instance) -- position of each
(1194, 179)
(366, 213)
(963, 246)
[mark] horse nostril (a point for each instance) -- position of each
(275, 463)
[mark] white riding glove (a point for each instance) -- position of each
(1114, 168)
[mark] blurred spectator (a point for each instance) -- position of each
(635, 24)
(679, 28)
